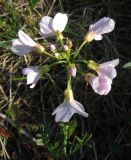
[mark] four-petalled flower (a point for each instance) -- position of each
(104, 25)
(50, 26)
(69, 107)
(33, 75)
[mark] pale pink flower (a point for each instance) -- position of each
(33, 75)
(49, 26)
(108, 69)
(100, 84)
(72, 71)
(69, 107)
(104, 25)
(23, 45)
(52, 47)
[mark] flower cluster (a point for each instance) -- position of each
(99, 76)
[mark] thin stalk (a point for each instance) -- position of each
(65, 143)
(58, 62)
(79, 49)
(48, 54)
(68, 82)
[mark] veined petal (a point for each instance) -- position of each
(104, 25)
(60, 106)
(100, 84)
(25, 39)
(19, 48)
(108, 71)
(78, 108)
(46, 26)
(64, 113)
(59, 22)
(112, 63)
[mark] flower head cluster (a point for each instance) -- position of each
(62, 52)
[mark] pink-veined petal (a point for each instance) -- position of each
(46, 26)
(104, 25)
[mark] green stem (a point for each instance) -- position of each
(48, 54)
(58, 62)
(78, 51)
(65, 143)
(81, 61)
(68, 82)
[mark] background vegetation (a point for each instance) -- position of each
(30, 131)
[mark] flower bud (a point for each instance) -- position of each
(69, 43)
(72, 70)
(57, 55)
(52, 47)
(90, 36)
(66, 48)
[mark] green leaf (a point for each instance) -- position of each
(68, 128)
(127, 65)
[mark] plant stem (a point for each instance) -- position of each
(65, 143)
(58, 62)
(48, 54)
(78, 51)
(68, 82)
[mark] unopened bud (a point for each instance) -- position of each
(39, 49)
(66, 48)
(52, 48)
(57, 55)
(69, 43)
(90, 36)
(72, 70)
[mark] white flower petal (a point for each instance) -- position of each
(19, 48)
(36, 79)
(100, 84)
(105, 25)
(25, 39)
(79, 108)
(59, 22)
(64, 113)
(107, 71)
(32, 75)
(98, 37)
(112, 63)
(30, 70)
(46, 26)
